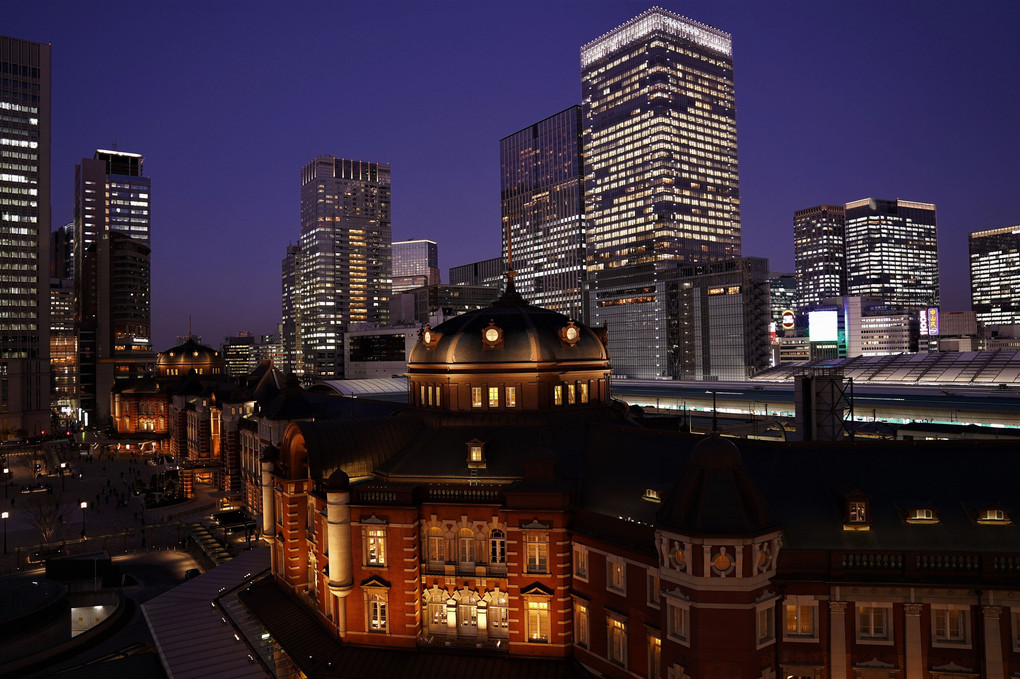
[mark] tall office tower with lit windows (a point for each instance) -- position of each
(819, 254)
(995, 275)
(892, 252)
(290, 319)
(542, 198)
(111, 276)
(25, 232)
(345, 262)
(661, 183)
(415, 264)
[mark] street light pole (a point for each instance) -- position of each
(63, 468)
(84, 506)
(5, 515)
(7, 479)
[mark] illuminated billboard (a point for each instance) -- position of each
(788, 320)
(929, 322)
(823, 326)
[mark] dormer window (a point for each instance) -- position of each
(857, 512)
(651, 495)
(856, 508)
(993, 516)
(476, 454)
(922, 515)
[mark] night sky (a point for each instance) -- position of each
(836, 101)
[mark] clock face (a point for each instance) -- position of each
(427, 337)
(571, 333)
(492, 335)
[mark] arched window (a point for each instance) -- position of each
(497, 547)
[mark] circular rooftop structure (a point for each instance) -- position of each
(182, 359)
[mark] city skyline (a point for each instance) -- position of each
(224, 131)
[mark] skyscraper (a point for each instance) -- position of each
(345, 263)
(660, 143)
(415, 264)
(290, 308)
(819, 254)
(661, 186)
(995, 275)
(892, 252)
(24, 232)
(111, 276)
(542, 198)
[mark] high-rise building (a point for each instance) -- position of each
(892, 252)
(661, 183)
(660, 143)
(542, 198)
(489, 272)
(291, 309)
(782, 296)
(240, 353)
(995, 275)
(111, 276)
(25, 232)
(819, 254)
(415, 264)
(344, 266)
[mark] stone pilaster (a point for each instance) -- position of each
(837, 639)
(913, 651)
(994, 668)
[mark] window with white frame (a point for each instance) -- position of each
(581, 562)
(1015, 617)
(654, 656)
(874, 623)
(538, 620)
(678, 615)
(801, 618)
(766, 623)
(653, 588)
(376, 600)
(466, 546)
(437, 545)
(511, 397)
(467, 613)
(558, 395)
(493, 397)
(499, 621)
(950, 625)
(476, 397)
(497, 547)
(616, 574)
(616, 633)
(536, 546)
(375, 546)
(581, 623)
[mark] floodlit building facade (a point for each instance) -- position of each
(819, 254)
(344, 267)
(415, 263)
(25, 230)
(542, 199)
(892, 252)
(995, 275)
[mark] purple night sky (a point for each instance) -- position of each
(836, 101)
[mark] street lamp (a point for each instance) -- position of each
(4, 516)
(63, 468)
(84, 506)
(7, 479)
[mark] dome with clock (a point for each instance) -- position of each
(510, 356)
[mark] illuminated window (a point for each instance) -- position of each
(571, 394)
(801, 615)
(581, 562)
(766, 624)
(581, 623)
(476, 397)
(950, 625)
(499, 621)
(466, 546)
(537, 552)
(511, 397)
(538, 621)
(993, 516)
(558, 395)
(654, 656)
(437, 545)
(375, 602)
(493, 397)
(616, 630)
(857, 512)
(375, 546)
(873, 623)
(583, 391)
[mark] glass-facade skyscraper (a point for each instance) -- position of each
(661, 183)
(892, 252)
(542, 206)
(25, 233)
(345, 261)
(995, 275)
(819, 254)
(415, 264)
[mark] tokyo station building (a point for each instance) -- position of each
(514, 511)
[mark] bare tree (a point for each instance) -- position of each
(45, 515)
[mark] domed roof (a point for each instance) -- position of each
(715, 495)
(509, 331)
(188, 355)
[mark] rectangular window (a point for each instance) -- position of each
(537, 552)
(375, 546)
(493, 397)
(583, 391)
(437, 548)
(949, 625)
(873, 623)
(476, 397)
(571, 394)
(581, 623)
(581, 562)
(617, 646)
(676, 621)
(654, 657)
(766, 625)
(800, 618)
(430, 395)
(511, 397)
(616, 574)
(1015, 615)
(558, 395)
(376, 615)
(653, 588)
(857, 512)
(438, 392)
(538, 621)
(422, 401)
